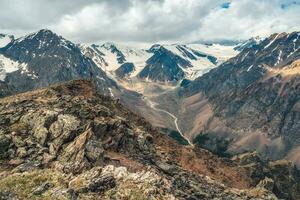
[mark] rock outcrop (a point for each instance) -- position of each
(281, 177)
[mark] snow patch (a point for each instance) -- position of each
(294, 46)
(271, 42)
(202, 65)
(249, 68)
(133, 55)
(5, 40)
(279, 58)
(7, 66)
(110, 92)
(243, 58)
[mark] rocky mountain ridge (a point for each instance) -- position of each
(43, 58)
(68, 142)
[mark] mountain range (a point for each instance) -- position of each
(250, 102)
(240, 101)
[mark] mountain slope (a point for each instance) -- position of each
(114, 55)
(203, 57)
(249, 43)
(250, 101)
(43, 58)
(164, 66)
(5, 40)
(67, 142)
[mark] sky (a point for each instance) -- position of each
(150, 21)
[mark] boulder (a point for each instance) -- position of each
(62, 131)
(42, 188)
(4, 145)
(92, 181)
(266, 183)
(39, 123)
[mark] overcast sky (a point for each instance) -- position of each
(150, 20)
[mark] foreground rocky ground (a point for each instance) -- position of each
(67, 142)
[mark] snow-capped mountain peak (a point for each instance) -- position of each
(154, 48)
(43, 58)
(43, 39)
(249, 43)
(192, 60)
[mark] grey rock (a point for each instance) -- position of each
(266, 183)
(42, 188)
(8, 196)
(164, 66)
(29, 166)
(4, 144)
(101, 184)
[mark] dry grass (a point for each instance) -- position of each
(287, 71)
(196, 112)
(22, 184)
(80, 88)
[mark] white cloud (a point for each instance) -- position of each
(247, 18)
(150, 20)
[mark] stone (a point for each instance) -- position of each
(266, 183)
(41, 134)
(18, 141)
(59, 193)
(4, 144)
(8, 196)
(39, 122)
(21, 152)
(42, 188)
(94, 150)
(63, 130)
(76, 150)
(165, 167)
(16, 162)
(92, 181)
(64, 125)
(101, 184)
(27, 167)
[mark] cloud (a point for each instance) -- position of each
(150, 20)
(247, 18)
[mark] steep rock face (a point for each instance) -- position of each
(164, 66)
(125, 70)
(67, 142)
(45, 58)
(254, 98)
